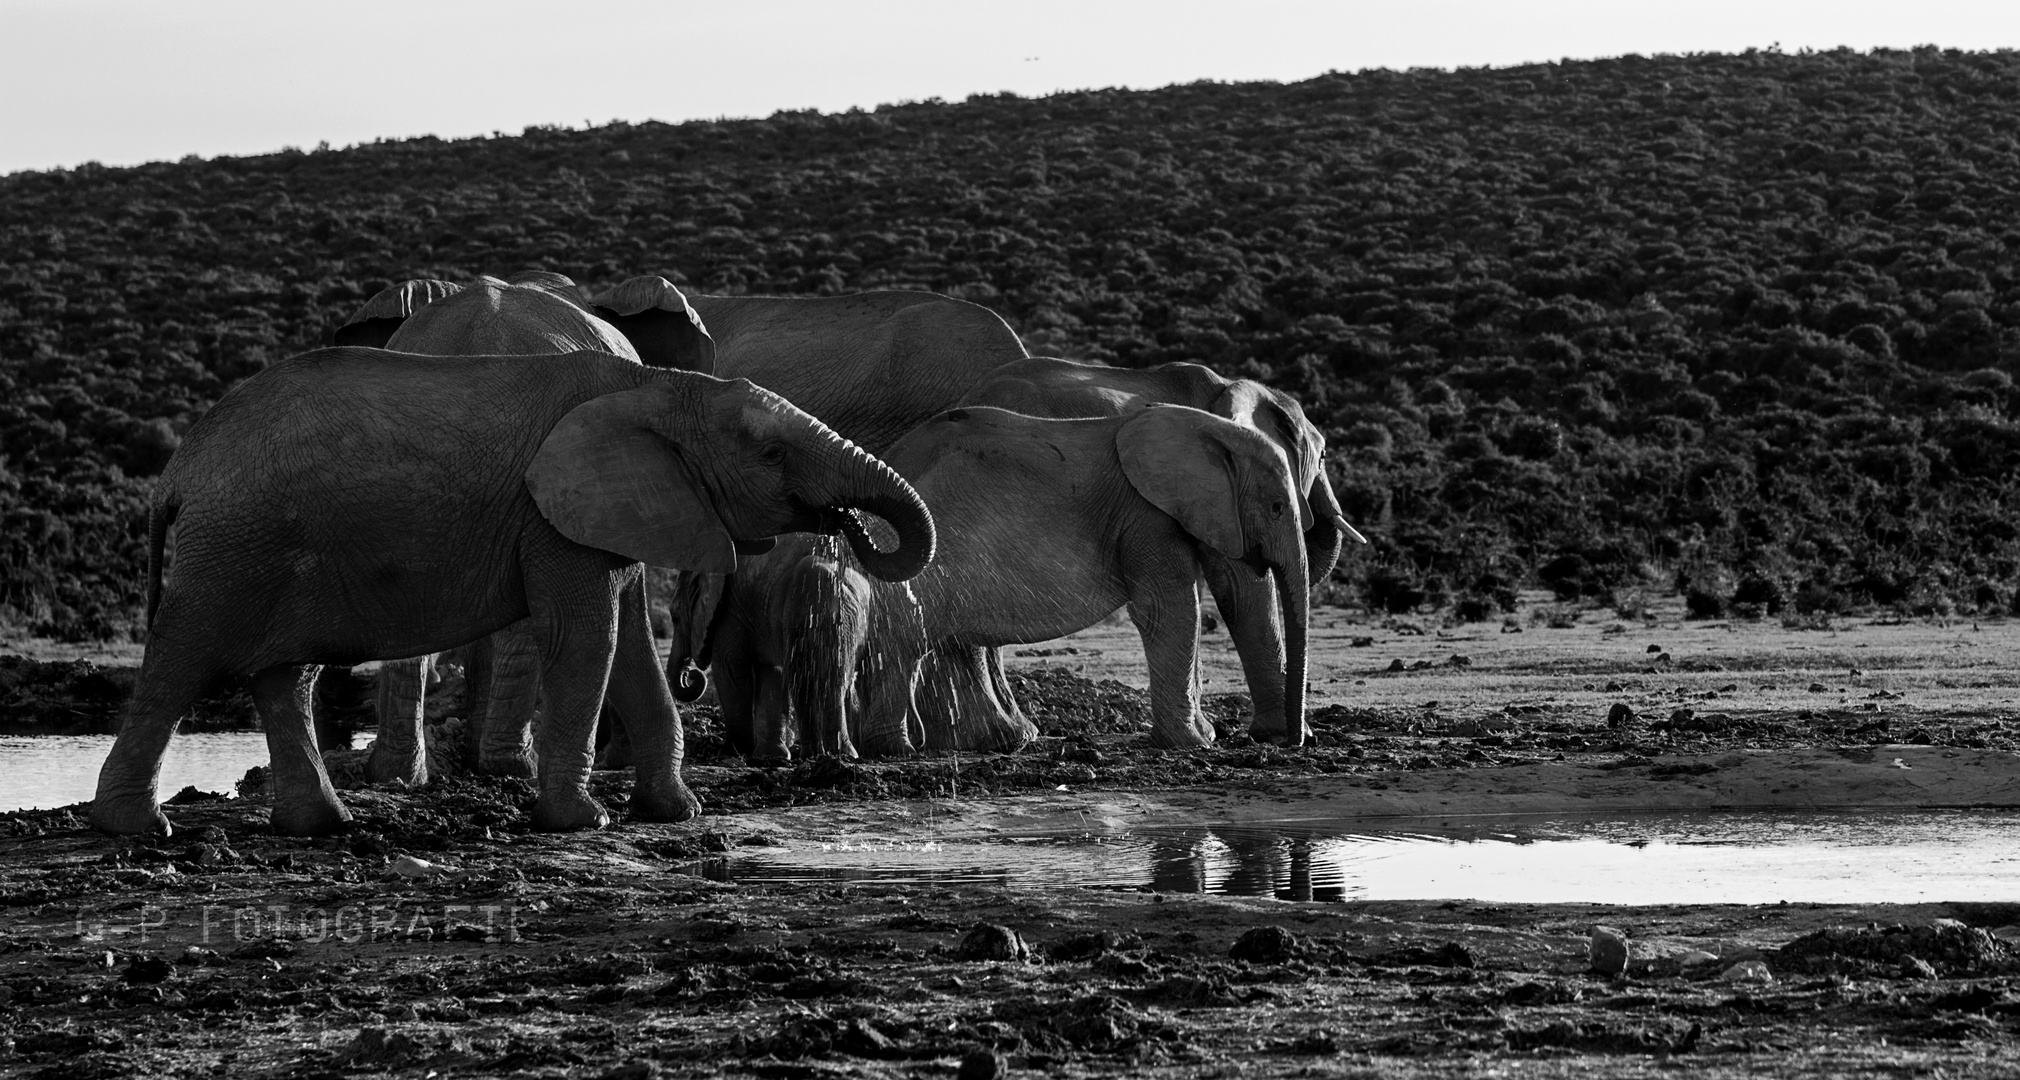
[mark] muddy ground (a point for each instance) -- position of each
(442, 936)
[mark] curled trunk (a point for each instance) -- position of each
(872, 486)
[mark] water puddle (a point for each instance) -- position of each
(1726, 857)
(43, 771)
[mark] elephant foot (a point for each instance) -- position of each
(1186, 737)
(615, 755)
(511, 763)
(664, 802)
(895, 746)
(309, 817)
(771, 755)
(387, 766)
(1278, 735)
(1003, 738)
(129, 817)
(564, 811)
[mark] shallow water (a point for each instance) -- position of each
(1749, 857)
(42, 771)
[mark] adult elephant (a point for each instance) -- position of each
(534, 312)
(357, 504)
(1048, 526)
(1248, 599)
(873, 366)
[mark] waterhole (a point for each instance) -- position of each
(42, 771)
(1736, 857)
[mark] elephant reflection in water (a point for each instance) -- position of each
(1264, 863)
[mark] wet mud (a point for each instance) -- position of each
(441, 935)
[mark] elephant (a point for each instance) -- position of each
(1047, 386)
(644, 319)
(873, 366)
(353, 504)
(1047, 526)
(783, 637)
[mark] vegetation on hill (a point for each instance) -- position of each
(1740, 324)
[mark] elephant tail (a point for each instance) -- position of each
(159, 518)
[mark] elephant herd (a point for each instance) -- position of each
(866, 497)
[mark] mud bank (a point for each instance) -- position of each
(441, 936)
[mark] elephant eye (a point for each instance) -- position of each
(1276, 508)
(772, 453)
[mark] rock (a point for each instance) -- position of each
(1458, 661)
(1695, 958)
(1362, 642)
(1653, 649)
(148, 969)
(377, 1046)
(982, 1065)
(1681, 715)
(1266, 945)
(1914, 967)
(1397, 665)
(407, 866)
(1607, 949)
(1620, 715)
(1818, 688)
(1748, 971)
(988, 941)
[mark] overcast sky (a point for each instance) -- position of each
(126, 81)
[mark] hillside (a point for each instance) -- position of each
(1742, 325)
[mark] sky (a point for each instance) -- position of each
(126, 81)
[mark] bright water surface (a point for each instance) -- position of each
(41, 771)
(1749, 857)
(1731, 856)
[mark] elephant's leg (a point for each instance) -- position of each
(1167, 615)
(1248, 605)
(956, 685)
(643, 705)
(304, 802)
(575, 616)
(771, 719)
(170, 682)
(613, 740)
(504, 720)
(400, 753)
(888, 725)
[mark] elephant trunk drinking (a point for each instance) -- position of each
(868, 484)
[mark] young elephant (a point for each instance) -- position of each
(783, 639)
(355, 504)
(1047, 526)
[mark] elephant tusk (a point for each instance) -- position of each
(1340, 523)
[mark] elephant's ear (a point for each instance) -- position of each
(1279, 418)
(1172, 458)
(372, 325)
(603, 477)
(656, 319)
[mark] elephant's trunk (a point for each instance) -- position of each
(871, 485)
(1294, 594)
(1326, 536)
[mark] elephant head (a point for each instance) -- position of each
(1233, 490)
(687, 471)
(535, 311)
(1279, 416)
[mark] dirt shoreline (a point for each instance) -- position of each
(441, 935)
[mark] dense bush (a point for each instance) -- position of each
(1738, 323)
